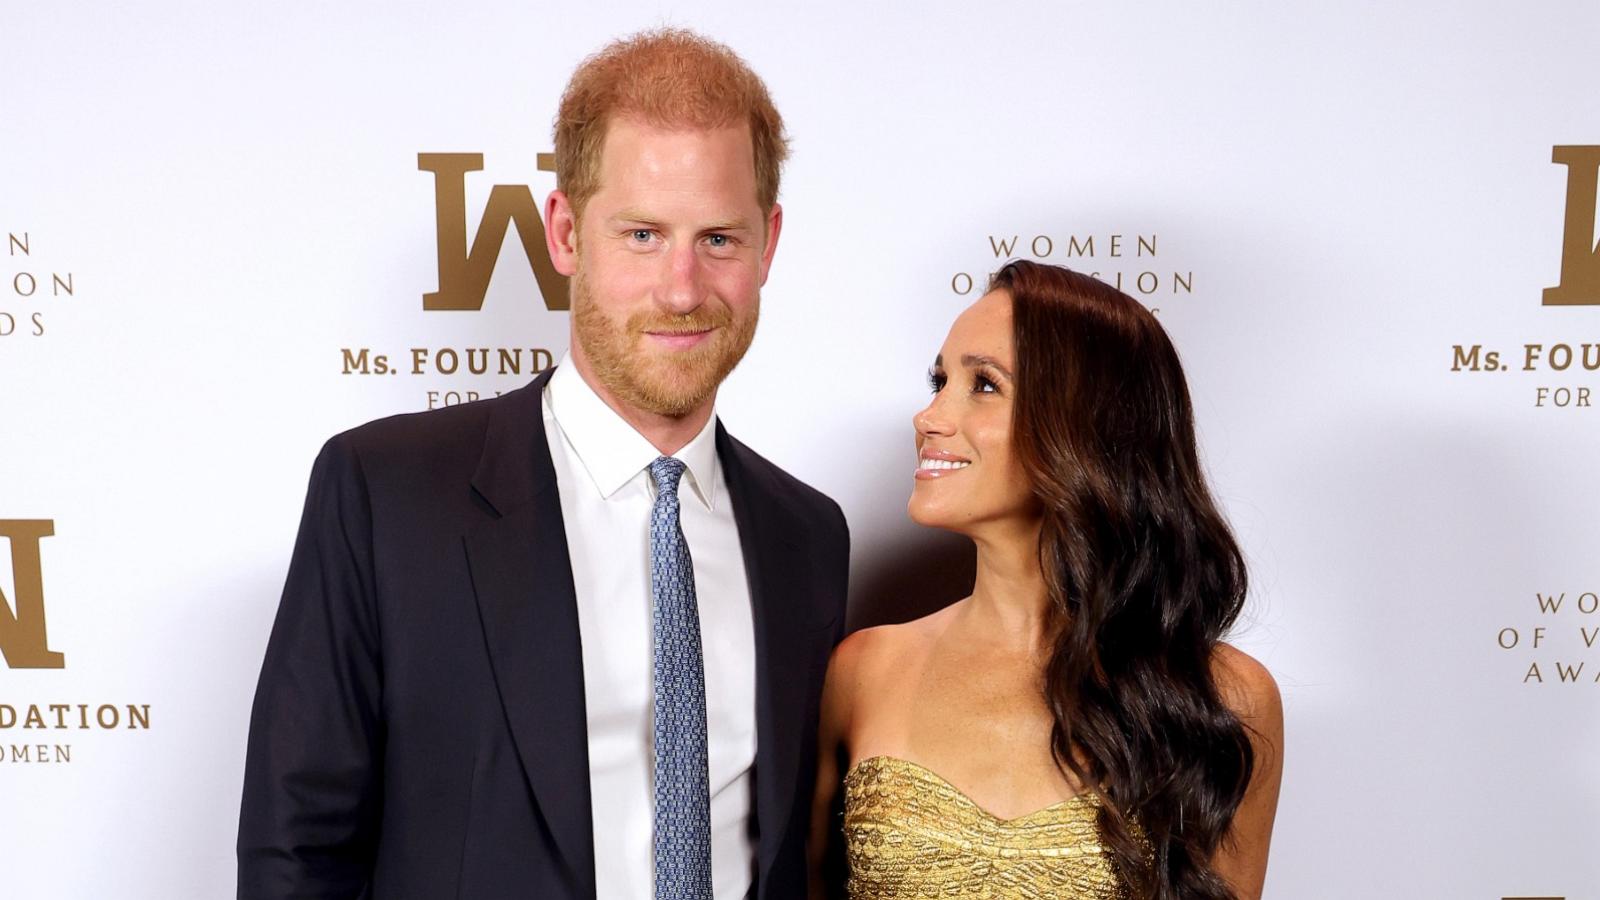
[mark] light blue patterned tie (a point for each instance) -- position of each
(683, 795)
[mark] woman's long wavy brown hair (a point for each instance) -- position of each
(1143, 575)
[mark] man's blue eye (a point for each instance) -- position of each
(641, 235)
(719, 240)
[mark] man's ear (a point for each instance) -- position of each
(774, 225)
(561, 233)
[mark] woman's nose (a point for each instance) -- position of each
(929, 421)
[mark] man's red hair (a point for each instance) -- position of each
(669, 78)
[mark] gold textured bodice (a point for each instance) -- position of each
(911, 834)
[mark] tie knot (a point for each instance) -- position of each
(667, 471)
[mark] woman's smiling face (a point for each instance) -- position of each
(967, 475)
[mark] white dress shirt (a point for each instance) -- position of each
(602, 472)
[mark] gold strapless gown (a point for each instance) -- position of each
(911, 834)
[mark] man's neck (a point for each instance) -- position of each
(668, 434)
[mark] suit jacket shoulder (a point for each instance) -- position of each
(416, 448)
(814, 507)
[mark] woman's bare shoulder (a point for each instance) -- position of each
(1248, 688)
(864, 651)
(872, 652)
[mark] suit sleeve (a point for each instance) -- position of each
(308, 821)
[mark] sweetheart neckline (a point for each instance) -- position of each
(1083, 798)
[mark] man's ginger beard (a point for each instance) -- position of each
(672, 386)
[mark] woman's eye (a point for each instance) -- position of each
(982, 385)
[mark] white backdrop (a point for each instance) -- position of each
(1348, 191)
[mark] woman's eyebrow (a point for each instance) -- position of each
(973, 361)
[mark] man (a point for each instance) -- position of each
(569, 642)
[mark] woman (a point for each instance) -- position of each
(1075, 727)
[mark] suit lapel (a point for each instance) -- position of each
(770, 537)
(522, 575)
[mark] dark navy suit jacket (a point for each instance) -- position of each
(419, 730)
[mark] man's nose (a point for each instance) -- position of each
(682, 291)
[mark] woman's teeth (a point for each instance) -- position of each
(942, 464)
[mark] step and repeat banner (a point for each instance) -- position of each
(233, 230)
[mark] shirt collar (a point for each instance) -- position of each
(611, 451)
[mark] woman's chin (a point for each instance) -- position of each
(931, 515)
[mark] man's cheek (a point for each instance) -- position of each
(740, 296)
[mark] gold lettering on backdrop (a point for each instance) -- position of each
(1563, 650)
(108, 716)
(1073, 247)
(37, 753)
(463, 274)
(22, 633)
(1580, 255)
(26, 284)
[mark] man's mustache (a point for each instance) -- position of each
(688, 323)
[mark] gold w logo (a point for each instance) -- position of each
(464, 275)
(1580, 255)
(22, 635)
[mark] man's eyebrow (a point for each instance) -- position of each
(637, 217)
(633, 216)
(973, 361)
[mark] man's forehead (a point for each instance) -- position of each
(643, 167)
